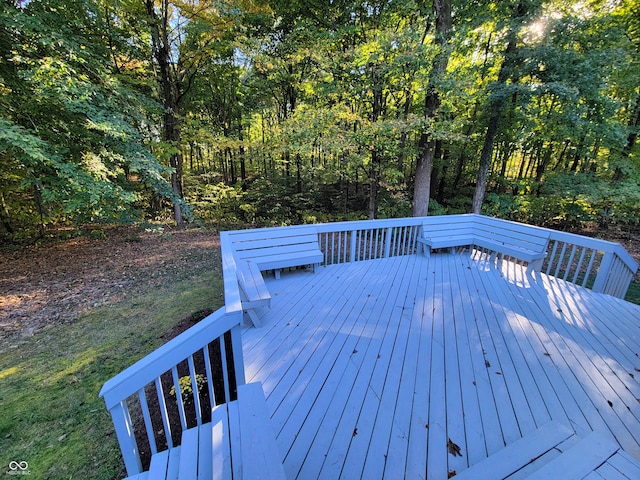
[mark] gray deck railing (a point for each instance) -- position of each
(603, 266)
(175, 387)
(592, 263)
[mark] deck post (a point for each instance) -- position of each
(238, 360)
(603, 272)
(352, 249)
(387, 242)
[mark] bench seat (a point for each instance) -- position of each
(276, 261)
(448, 241)
(238, 443)
(253, 291)
(555, 451)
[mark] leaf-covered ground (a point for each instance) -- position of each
(46, 285)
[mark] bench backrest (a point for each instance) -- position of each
(505, 232)
(265, 243)
(495, 230)
(256, 243)
(448, 226)
(175, 387)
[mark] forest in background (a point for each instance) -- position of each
(273, 112)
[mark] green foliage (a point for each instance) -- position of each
(216, 203)
(186, 387)
(69, 127)
(289, 112)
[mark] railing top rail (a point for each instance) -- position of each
(332, 226)
(595, 243)
(147, 369)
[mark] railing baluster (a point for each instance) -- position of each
(389, 239)
(335, 248)
(561, 259)
(570, 262)
(375, 234)
(592, 260)
(580, 262)
(178, 389)
(195, 390)
(144, 406)
(552, 257)
(354, 240)
(207, 367)
(225, 368)
(163, 412)
(368, 244)
(126, 437)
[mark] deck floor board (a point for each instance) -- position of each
(383, 368)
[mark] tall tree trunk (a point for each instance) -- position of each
(171, 85)
(497, 102)
(376, 160)
(427, 145)
(373, 187)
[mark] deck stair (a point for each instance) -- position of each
(554, 451)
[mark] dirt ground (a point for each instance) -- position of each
(53, 283)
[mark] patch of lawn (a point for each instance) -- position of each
(633, 294)
(51, 416)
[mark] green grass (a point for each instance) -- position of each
(51, 416)
(633, 294)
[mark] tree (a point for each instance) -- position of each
(427, 143)
(498, 97)
(69, 137)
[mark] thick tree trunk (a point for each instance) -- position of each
(373, 193)
(171, 86)
(427, 145)
(422, 186)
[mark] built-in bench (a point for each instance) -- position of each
(254, 293)
(259, 250)
(499, 237)
(236, 441)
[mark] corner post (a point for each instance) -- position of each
(603, 272)
(126, 438)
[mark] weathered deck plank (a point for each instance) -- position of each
(382, 367)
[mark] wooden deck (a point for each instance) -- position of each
(401, 366)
